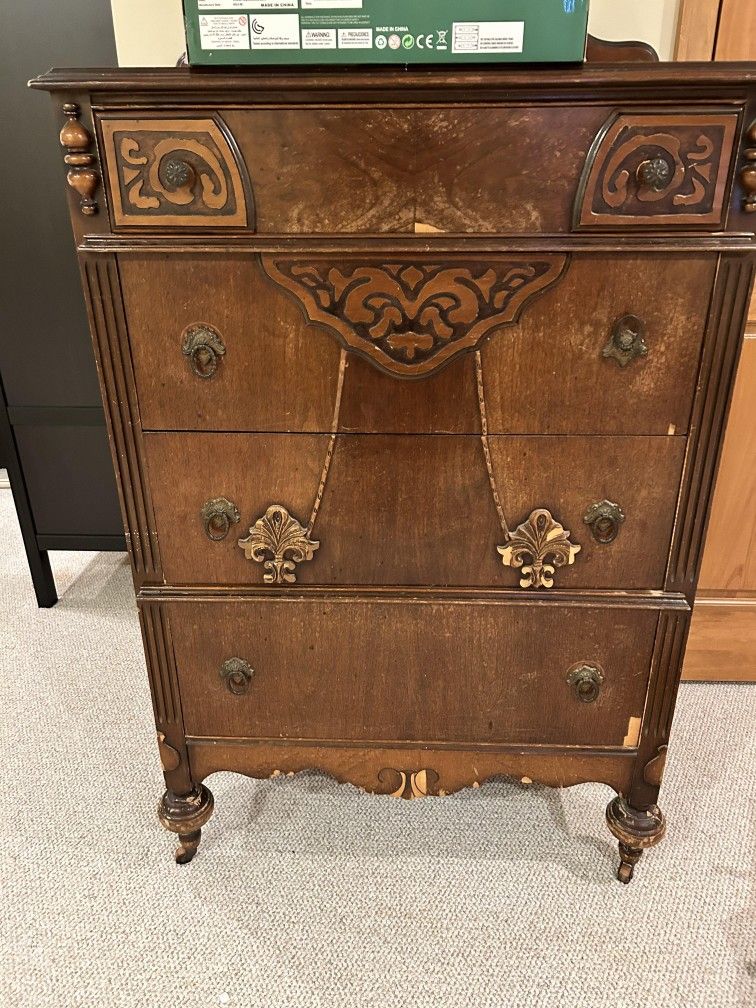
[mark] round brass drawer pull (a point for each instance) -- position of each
(237, 675)
(204, 346)
(604, 520)
(586, 681)
(218, 516)
(175, 173)
(655, 174)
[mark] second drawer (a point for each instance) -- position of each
(403, 510)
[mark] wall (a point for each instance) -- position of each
(150, 32)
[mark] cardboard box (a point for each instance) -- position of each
(324, 32)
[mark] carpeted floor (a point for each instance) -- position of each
(309, 894)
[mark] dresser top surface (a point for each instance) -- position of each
(682, 81)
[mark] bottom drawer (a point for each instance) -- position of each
(394, 669)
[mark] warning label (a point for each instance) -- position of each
(488, 36)
(355, 38)
(224, 31)
(318, 38)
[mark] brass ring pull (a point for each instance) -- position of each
(586, 681)
(237, 675)
(218, 516)
(626, 341)
(604, 520)
(204, 346)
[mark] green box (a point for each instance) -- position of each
(325, 32)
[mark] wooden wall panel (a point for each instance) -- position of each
(736, 33)
(722, 643)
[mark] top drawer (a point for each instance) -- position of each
(522, 170)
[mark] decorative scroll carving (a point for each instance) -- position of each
(279, 542)
(654, 168)
(76, 140)
(174, 171)
(419, 784)
(538, 547)
(748, 172)
(410, 317)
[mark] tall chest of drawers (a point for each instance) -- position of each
(416, 385)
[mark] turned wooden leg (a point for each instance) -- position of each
(186, 815)
(636, 829)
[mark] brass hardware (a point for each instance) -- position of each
(218, 516)
(627, 340)
(279, 542)
(204, 346)
(176, 174)
(237, 675)
(748, 171)
(537, 540)
(655, 174)
(604, 520)
(586, 681)
(82, 177)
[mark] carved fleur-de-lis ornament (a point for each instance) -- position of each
(538, 547)
(279, 542)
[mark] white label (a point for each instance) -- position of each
(318, 38)
(355, 38)
(274, 31)
(224, 31)
(488, 36)
(331, 4)
(248, 5)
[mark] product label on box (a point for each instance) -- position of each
(224, 31)
(488, 36)
(274, 31)
(355, 38)
(331, 4)
(250, 5)
(318, 38)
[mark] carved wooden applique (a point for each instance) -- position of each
(412, 316)
(658, 169)
(174, 171)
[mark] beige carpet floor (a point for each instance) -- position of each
(310, 895)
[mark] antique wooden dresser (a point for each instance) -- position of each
(416, 385)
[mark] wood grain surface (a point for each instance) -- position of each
(415, 511)
(454, 673)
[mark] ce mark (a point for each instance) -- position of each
(424, 41)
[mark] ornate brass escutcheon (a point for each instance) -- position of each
(204, 346)
(586, 680)
(627, 340)
(237, 675)
(604, 520)
(218, 515)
